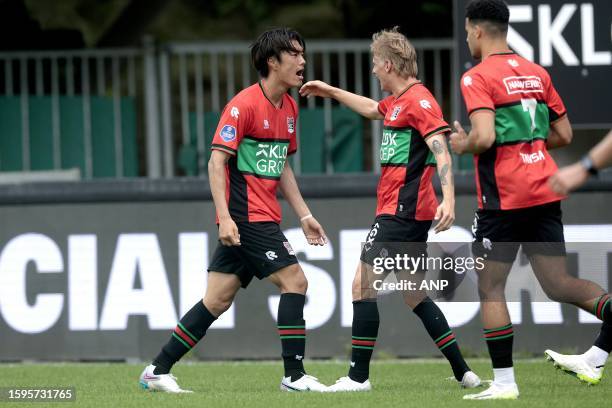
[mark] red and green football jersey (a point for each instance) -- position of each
(514, 172)
(405, 188)
(259, 136)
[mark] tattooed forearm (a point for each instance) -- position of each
(437, 147)
(443, 175)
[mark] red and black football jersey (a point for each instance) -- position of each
(259, 136)
(405, 187)
(514, 172)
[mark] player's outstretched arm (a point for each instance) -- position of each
(560, 134)
(228, 231)
(315, 235)
(445, 214)
(480, 138)
(362, 105)
(573, 176)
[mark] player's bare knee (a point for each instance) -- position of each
(491, 291)
(413, 298)
(561, 289)
(556, 293)
(356, 288)
(291, 280)
(489, 285)
(219, 304)
(299, 283)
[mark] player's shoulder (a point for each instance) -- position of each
(386, 99)
(421, 90)
(243, 102)
(477, 69)
(478, 72)
(413, 93)
(537, 68)
(246, 96)
(422, 97)
(249, 96)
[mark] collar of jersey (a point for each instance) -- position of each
(266, 96)
(503, 53)
(407, 88)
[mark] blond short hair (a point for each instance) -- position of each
(394, 46)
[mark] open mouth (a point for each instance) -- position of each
(300, 74)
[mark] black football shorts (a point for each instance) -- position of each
(263, 250)
(498, 234)
(391, 235)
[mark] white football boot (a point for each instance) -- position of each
(470, 380)
(345, 384)
(305, 383)
(496, 391)
(576, 365)
(159, 382)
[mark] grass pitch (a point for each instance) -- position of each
(396, 383)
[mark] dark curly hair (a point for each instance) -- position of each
(494, 13)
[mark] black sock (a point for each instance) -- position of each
(365, 331)
(602, 309)
(187, 333)
(292, 331)
(604, 340)
(436, 325)
(499, 341)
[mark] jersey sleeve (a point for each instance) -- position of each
(292, 144)
(293, 139)
(556, 107)
(476, 93)
(232, 127)
(427, 117)
(383, 106)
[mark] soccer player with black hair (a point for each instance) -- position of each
(516, 117)
(248, 163)
(413, 144)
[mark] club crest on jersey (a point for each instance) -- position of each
(228, 133)
(395, 112)
(266, 124)
(290, 124)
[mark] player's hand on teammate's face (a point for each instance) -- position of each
(458, 139)
(228, 233)
(316, 88)
(445, 215)
(568, 178)
(315, 235)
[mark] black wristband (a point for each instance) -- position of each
(588, 165)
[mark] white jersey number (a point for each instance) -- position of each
(530, 105)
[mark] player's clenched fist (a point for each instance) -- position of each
(458, 139)
(568, 178)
